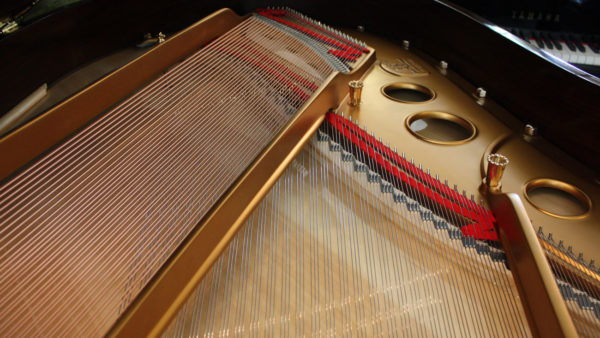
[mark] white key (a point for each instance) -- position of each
(587, 57)
(591, 58)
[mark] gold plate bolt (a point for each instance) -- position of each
(443, 67)
(355, 92)
(481, 93)
(496, 165)
(530, 130)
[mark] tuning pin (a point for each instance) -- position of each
(570, 250)
(472, 198)
(580, 257)
(540, 231)
(561, 244)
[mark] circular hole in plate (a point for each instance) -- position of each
(407, 92)
(440, 127)
(557, 198)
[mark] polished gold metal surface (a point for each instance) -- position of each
(404, 67)
(547, 205)
(528, 164)
(407, 92)
(546, 311)
(444, 134)
(464, 164)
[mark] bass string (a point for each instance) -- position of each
(123, 208)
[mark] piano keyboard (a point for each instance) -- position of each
(573, 48)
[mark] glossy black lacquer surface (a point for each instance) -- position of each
(560, 101)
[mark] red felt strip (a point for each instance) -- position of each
(363, 49)
(406, 165)
(345, 51)
(482, 227)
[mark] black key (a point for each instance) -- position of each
(521, 35)
(547, 42)
(525, 35)
(570, 44)
(557, 44)
(539, 43)
(578, 43)
(553, 43)
(592, 43)
(538, 40)
(556, 40)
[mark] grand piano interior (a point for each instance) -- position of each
(331, 168)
